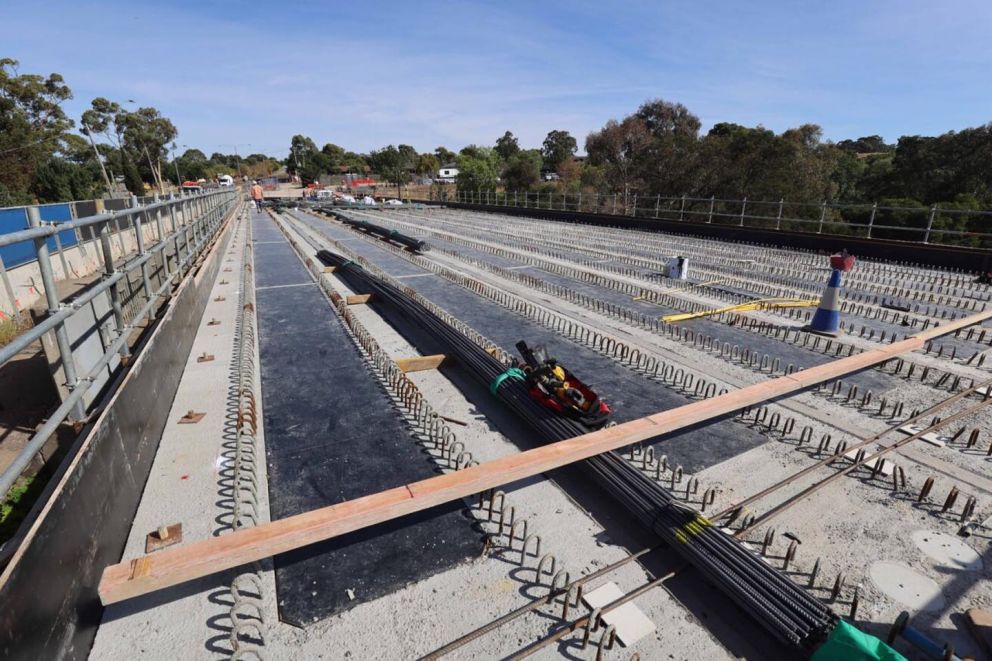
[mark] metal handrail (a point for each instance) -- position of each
(196, 231)
(51, 228)
(741, 212)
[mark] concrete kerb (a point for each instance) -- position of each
(193, 480)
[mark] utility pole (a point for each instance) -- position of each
(179, 178)
(237, 157)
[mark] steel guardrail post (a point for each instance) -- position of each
(194, 214)
(115, 292)
(188, 221)
(9, 290)
(146, 280)
(194, 219)
(52, 298)
(160, 228)
(188, 230)
(933, 213)
(175, 232)
(119, 233)
(205, 225)
(61, 254)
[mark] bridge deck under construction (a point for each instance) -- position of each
(310, 399)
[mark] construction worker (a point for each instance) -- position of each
(257, 195)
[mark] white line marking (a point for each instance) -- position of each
(298, 284)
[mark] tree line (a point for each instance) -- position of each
(658, 150)
(46, 156)
(479, 166)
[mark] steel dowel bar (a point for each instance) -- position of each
(809, 469)
(534, 605)
(781, 507)
(574, 625)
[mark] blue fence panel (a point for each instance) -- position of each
(15, 219)
(60, 213)
(12, 220)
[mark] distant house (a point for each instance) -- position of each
(448, 172)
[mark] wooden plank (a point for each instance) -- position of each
(421, 363)
(179, 564)
(980, 623)
(330, 269)
(358, 299)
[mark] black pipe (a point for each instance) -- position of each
(388, 234)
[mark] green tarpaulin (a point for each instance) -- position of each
(847, 643)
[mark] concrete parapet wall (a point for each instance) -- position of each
(81, 523)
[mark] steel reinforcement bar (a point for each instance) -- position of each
(783, 608)
(173, 566)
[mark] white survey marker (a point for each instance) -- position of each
(630, 621)
(930, 437)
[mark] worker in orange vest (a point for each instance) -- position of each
(257, 195)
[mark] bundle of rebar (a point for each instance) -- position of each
(387, 234)
(783, 608)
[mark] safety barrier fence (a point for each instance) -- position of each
(74, 247)
(921, 224)
(178, 229)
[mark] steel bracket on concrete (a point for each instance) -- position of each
(163, 536)
(191, 418)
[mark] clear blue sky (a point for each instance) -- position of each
(364, 74)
